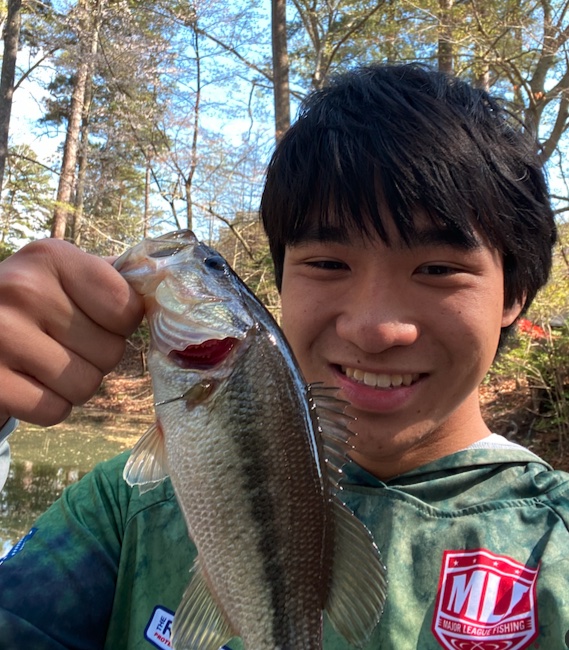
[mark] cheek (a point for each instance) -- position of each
(294, 317)
(299, 324)
(472, 331)
(480, 343)
(299, 306)
(304, 326)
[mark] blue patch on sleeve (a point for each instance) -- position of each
(18, 546)
(159, 627)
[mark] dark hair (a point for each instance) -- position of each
(404, 137)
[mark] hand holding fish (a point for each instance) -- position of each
(64, 318)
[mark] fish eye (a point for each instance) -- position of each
(215, 262)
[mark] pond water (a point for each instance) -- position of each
(46, 460)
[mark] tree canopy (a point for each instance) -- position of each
(166, 112)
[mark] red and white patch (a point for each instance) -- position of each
(485, 602)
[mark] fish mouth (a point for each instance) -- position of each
(206, 355)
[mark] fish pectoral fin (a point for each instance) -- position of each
(333, 423)
(358, 585)
(199, 624)
(147, 466)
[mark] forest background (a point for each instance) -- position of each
(143, 116)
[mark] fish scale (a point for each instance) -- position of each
(254, 456)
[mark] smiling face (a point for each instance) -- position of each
(407, 332)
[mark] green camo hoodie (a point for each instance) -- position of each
(476, 546)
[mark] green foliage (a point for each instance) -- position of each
(26, 202)
(114, 201)
(515, 48)
(183, 90)
(6, 250)
(542, 366)
(537, 356)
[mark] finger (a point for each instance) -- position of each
(32, 402)
(90, 283)
(64, 316)
(72, 330)
(85, 304)
(57, 368)
(111, 303)
(44, 351)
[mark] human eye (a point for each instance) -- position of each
(437, 270)
(327, 265)
(319, 261)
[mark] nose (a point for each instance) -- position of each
(377, 316)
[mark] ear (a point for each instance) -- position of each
(509, 314)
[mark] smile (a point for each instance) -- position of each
(380, 380)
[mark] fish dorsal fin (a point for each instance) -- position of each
(147, 466)
(358, 587)
(333, 423)
(199, 624)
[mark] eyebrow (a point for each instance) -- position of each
(324, 234)
(454, 237)
(423, 237)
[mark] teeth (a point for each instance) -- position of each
(380, 380)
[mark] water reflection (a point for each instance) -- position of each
(30, 489)
(46, 460)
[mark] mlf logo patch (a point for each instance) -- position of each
(485, 602)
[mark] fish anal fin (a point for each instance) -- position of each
(199, 624)
(358, 584)
(147, 466)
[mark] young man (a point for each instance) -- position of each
(410, 226)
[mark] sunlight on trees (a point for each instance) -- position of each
(167, 109)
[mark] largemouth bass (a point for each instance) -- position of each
(254, 456)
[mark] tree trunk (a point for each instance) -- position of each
(445, 45)
(77, 218)
(63, 208)
(280, 67)
(7, 76)
(83, 159)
